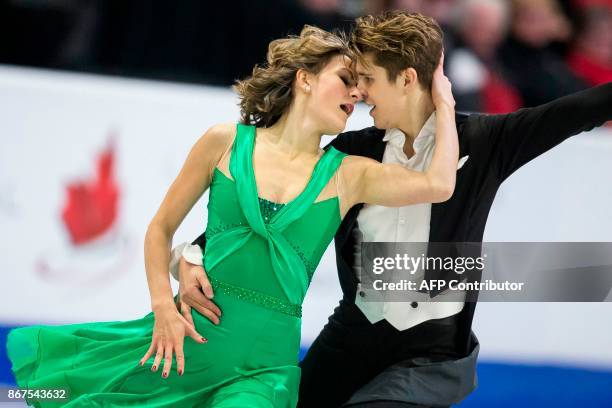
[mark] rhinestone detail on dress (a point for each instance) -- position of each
(258, 298)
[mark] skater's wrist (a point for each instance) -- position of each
(162, 305)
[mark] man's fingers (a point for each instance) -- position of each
(205, 283)
(212, 306)
(199, 302)
(204, 306)
(214, 318)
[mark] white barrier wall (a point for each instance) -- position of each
(69, 142)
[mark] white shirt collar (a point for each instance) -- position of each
(426, 135)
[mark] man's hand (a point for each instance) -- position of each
(195, 291)
(441, 89)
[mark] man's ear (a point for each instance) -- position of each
(409, 77)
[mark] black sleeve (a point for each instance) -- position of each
(339, 143)
(201, 242)
(516, 138)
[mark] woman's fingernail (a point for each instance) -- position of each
(180, 372)
(164, 375)
(203, 339)
(154, 368)
(141, 363)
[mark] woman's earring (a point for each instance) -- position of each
(307, 88)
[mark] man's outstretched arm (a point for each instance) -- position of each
(516, 138)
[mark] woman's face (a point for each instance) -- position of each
(333, 94)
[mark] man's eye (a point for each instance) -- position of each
(366, 79)
(345, 80)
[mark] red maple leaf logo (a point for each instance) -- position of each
(91, 206)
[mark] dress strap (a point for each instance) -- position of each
(241, 169)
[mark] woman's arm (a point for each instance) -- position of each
(392, 185)
(193, 179)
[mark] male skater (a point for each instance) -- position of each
(418, 353)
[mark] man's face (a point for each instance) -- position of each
(386, 97)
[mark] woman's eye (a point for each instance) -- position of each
(349, 82)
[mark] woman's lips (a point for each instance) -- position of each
(347, 108)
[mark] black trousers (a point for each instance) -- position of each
(350, 351)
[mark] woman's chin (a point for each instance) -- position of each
(334, 130)
(341, 126)
(338, 131)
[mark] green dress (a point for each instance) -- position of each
(260, 257)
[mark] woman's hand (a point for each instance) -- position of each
(441, 93)
(169, 333)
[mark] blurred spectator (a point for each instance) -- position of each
(332, 13)
(591, 55)
(218, 42)
(479, 81)
(538, 73)
(440, 10)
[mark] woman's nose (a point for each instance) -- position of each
(356, 94)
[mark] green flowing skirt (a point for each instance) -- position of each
(250, 360)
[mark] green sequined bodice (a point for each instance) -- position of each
(268, 208)
(273, 262)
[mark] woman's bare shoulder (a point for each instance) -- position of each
(217, 138)
(220, 133)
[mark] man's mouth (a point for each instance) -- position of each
(347, 108)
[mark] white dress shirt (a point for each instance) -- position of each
(191, 253)
(404, 224)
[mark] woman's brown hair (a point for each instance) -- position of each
(268, 92)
